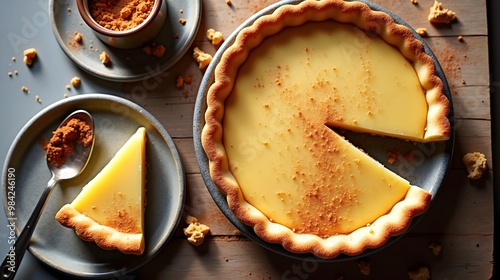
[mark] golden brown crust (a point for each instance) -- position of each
(438, 126)
(105, 237)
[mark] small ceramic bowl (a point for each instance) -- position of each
(131, 38)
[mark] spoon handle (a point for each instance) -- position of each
(16, 252)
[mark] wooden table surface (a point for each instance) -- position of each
(461, 218)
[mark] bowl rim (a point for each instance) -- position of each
(83, 9)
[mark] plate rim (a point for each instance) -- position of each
(165, 236)
(220, 198)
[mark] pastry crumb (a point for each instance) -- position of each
(159, 51)
(422, 31)
(422, 273)
(78, 37)
(202, 58)
(475, 162)
(29, 56)
(65, 95)
(155, 50)
(25, 89)
(38, 99)
(195, 231)
(415, 2)
(364, 267)
(10, 74)
(13, 58)
(104, 57)
(460, 38)
(75, 81)
(229, 3)
(179, 82)
(182, 21)
(435, 248)
(214, 36)
(183, 80)
(438, 14)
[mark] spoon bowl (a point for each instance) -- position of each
(73, 165)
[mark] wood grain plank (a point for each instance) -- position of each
(200, 204)
(223, 258)
(464, 63)
(457, 205)
(187, 154)
(461, 218)
(472, 102)
(471, 16)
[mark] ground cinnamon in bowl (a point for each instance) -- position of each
(64, 140)
(120, 15)
(124, 24)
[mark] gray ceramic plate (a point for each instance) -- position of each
(427, 170)
(126, 65)
(116, 119)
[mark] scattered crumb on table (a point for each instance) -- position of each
(438, 14)
(214, 36)
(475, 162)
(29, 56)
(422, 273)
(435, 248)
(202, 58)
(364, 267)
(422, 31)
(195, 231)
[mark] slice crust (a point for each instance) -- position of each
(110, 208)
(267, 135)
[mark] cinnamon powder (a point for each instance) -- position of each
(120, 15)
(66, 138)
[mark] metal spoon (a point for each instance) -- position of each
(71, 168)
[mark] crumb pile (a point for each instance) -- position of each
(65, 138)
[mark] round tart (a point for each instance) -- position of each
(283, 92)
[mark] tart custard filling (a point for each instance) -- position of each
(289, 90)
